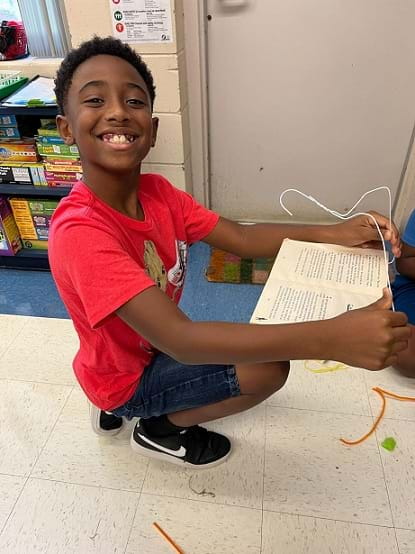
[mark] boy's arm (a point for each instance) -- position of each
(368, 338)
(406, 263)
(264, 239)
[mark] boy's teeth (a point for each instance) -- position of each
(118, 139)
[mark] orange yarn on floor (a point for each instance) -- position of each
(383, 394)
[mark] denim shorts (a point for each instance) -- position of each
(168, 386)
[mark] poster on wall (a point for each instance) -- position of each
(141, 20)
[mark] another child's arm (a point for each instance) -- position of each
(264, 239)
(369, 337)
(406, 263)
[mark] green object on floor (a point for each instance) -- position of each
(389, 444)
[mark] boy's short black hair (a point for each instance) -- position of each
(109, 46)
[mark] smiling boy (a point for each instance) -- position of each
(118, 252)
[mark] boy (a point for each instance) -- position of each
(118, 253)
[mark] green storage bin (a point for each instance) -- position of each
(10, 81)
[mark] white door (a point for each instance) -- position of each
(317, 95)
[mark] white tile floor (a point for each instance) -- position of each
(290, 486)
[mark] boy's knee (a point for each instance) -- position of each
(276, 378)
(265, 379)
(282, 374)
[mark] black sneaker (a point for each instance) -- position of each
(194, 447)
(104, 423)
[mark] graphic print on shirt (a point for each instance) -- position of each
(157, 271)
(177, 273)
(154, 265)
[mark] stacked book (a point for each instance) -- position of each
(32, 217)
(10, 241)
(19, 160)
(62, 166)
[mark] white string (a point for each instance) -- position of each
(346, 216)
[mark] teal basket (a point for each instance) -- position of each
(10, 81)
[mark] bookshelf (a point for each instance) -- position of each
(27, 258)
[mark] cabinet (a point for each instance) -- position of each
(29, 259)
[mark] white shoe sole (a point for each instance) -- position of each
(94, 415)
(171, 459)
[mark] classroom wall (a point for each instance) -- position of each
(171, 156)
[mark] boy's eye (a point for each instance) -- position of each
(93, 100)
(136, 102)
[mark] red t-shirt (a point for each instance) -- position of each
(100, 259)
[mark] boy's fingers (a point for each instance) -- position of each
(399, 319)
(388, 228)
(385, 302)
(392, 360)
(400, 346)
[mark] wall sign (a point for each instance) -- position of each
(141, 20)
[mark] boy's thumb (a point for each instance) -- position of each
(383, 303)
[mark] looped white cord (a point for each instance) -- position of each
(347, 216)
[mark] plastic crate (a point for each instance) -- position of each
(10, 81)
(8, 77)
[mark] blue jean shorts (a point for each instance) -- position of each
(168, 386)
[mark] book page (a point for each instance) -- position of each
(313, 281)
(331, 265)
(283, 302)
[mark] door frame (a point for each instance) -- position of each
(195, 30)
(405, 197)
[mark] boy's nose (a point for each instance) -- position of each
(117, 111)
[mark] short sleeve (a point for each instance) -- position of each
(90, 263)
(199, 221)
(409, 233)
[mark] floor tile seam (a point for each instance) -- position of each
(263, 473)
(18, 475)
(380, 459)
(136, 508)
(396, 541)
(379, 446)
(320, 411)
(5, 351)
(14, 380)
(78, 484)
(267, 510)
(398, 419)
(145, 493)
(14, 506)
(127, 542)
(52, 429)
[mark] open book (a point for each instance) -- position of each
(312, 281)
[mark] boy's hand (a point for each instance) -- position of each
(361, 231)
(371, 337)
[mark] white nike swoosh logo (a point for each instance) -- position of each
(180, 453)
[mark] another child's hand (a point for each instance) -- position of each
(361, 231)
(371, 337)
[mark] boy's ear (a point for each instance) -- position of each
(64, 129)
(155, 129)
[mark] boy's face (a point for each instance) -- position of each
(108, 115)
